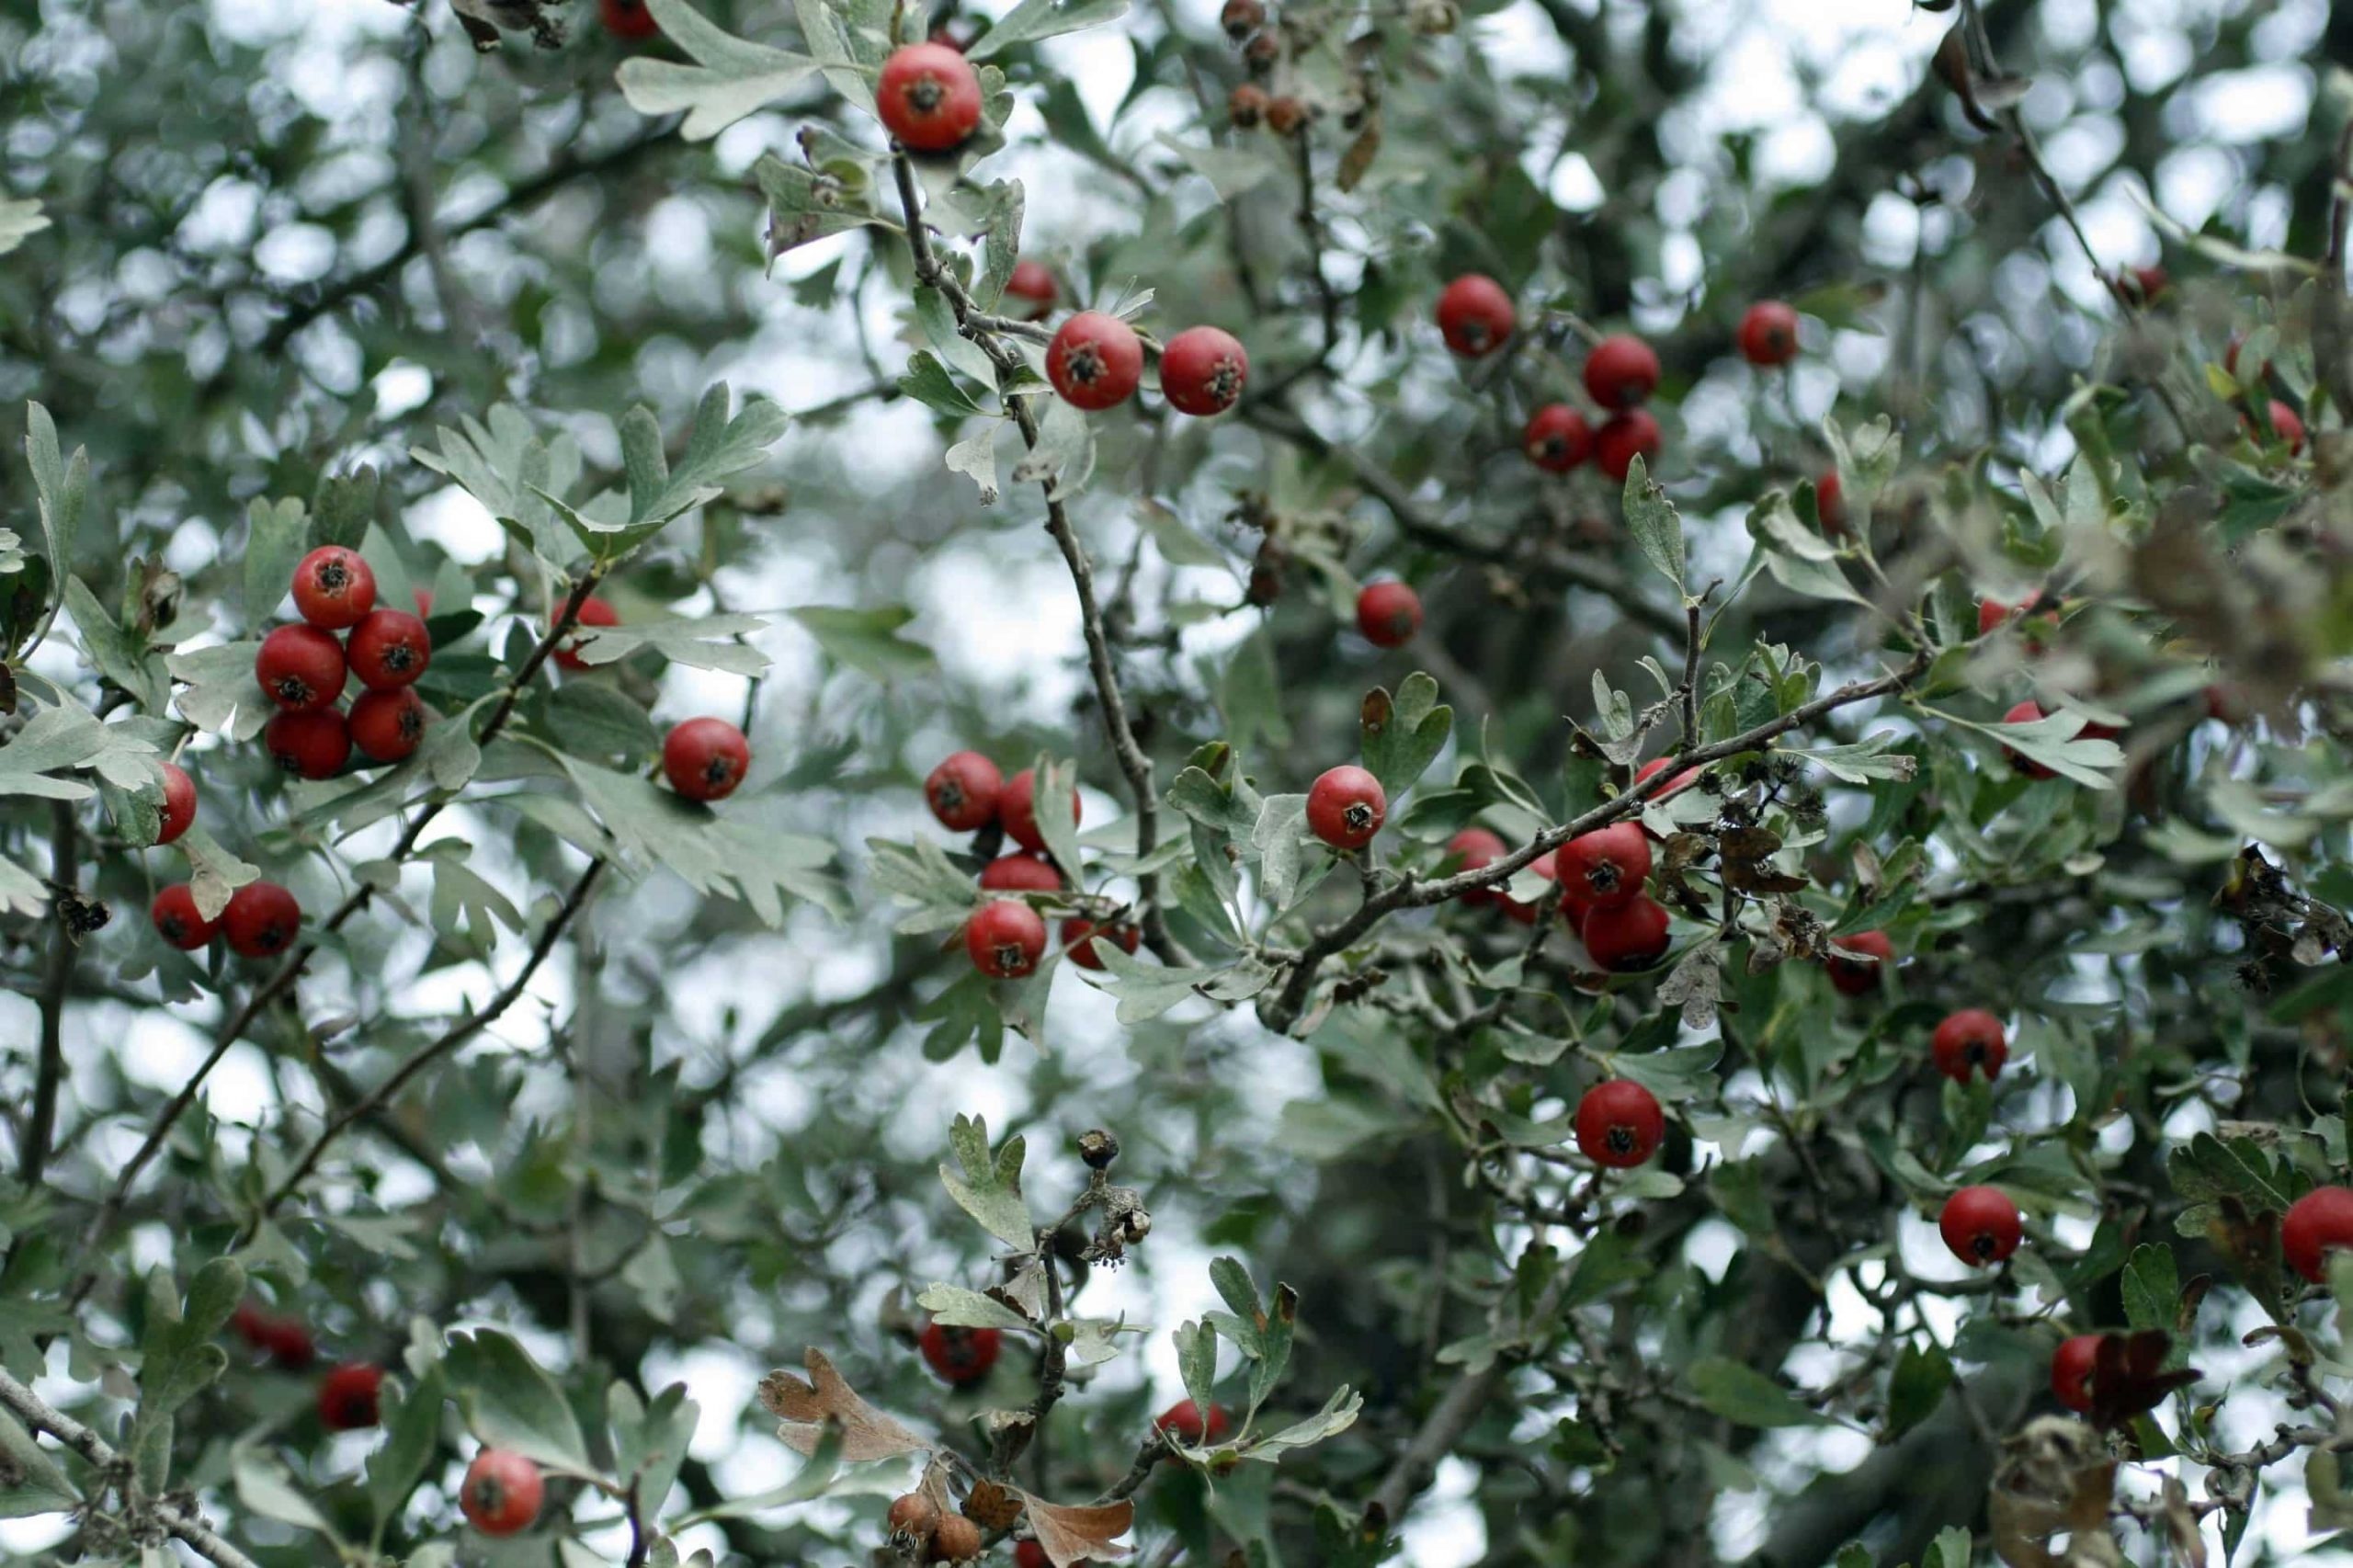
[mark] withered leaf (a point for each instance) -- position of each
(1358, 159)
(2129, 1378)
(1075, 1533)
(992, 1507)
(802, 1410)
(1695, 985)
(2056, 1478)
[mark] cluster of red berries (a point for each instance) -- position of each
(704, 760)
(349, 1395)
(1476, 317)
(1095, 361)
(916, 1525)
(261, 920)
(304, 667)
(1006, 937)
(1250, 106)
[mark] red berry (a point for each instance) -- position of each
(957, 1539)
(349, 1396)
(912, 1519)
(1476, 315)
(1967, 1040)
(2143, 285)
(961, 1356)
(1016, 809)
(1183, 1420)
(301, 666)
(1620, 371)
(313, 742)
(1860, 977)
(1473, 850)
(1202, 370)
(334, 587)
(1077, 929)
(1626, 937)
(501, 1492)
(262, 920)
(705, 759)
(1005, 938)
(1557, 438)
(1527, 914)
(179, 803)
(1674, 786)
(1018, 873)
(290, 1344)
(1094, 361)
(1769, 333)
(1388, 614)
(423, 598)
(593, 612)
(1992, 613)
(962, 792)
(177, 920)
(1028, 1553)
(389, 648)
(1247, 105)
(928, 97)
(1345, 807)
(1031, 290)
(1620, 1123)
(1240, 18)
(2072, 1366)
(1981, 1225)
(252, 1323)
(1616, 444)
(388, 725)
(1605, 868)
(2025, 712)
(2316, 1224)
(2287, 428)
(626, 19)
(1830, 505)
(1285, 114)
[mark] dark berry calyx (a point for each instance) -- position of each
(1358, 816)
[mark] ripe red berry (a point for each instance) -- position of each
(1620, 1123)
(334, 587)
(1029, 1555)
(290, 1344)
(1077, 929)
(179, 803)
(1967, 1041)
(1285, 114)
(1202, 370)
(1345, 807)
(1473, 850)
(252, 1321)
(1617, 443)
(2143, 285)
(1388, 614)
(388, 726)
(1992, 613)
(1016, 809)
(1242, 18)
(961, 1356)
(1830, 505)
(1860, 977)
(2287, 428)
(704, 760)
(957, 1538)
(1981, 1225)
(1018, 873)
(1620, 371)
(2025, 712)
(928, 97)
(311, 743)
(177, 920)
(1262, 51)
(1005, 938)
(1527, 914)
(1183, 1422)
(912, 1519)
(349, 1396)
(593, 612)
(1557, 438)
(962, 792)
(301, 666)
(389, 648)
(626, 19)
(1769, 333)
(1247, 106)
(262, 920)
(1605, 867)
(1094, 361)
(1476, 315)
(1030, 290)
(1626, 937)
(501, 1492)
(2072, 1366)
(2316, 1224)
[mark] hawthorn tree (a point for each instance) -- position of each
(1648, 872)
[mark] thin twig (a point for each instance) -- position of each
(40, 1128)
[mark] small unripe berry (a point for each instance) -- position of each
(501, 1494)
(1618, 442)
(705, 759)
(1557, 438)
(593, 612)
(1388, 614)
(1860, 976)
(1247, 106)
(1184, 1422)
(1621, 371)
(310, 743)
(1473, 850)
(1627, 936)
(1016, 809)
(1619, 1124)
(1094, 361)
(179, 803)
(388, 726)
(1020, 872)
(1285, 114)
(1967, 1040)
(301, 666)
(962, 792)
(1242, 18)
(1830, 505)
(177, 920)
(626, 19)
(912, 1519)
(1981, 1225)
(929, 97)
(1203, 371)
(957, 1540)
(1476, 315)
(348, 1397)
(2072, 1366)
(334, 587)
(1004, 939)
(1076, 933)
(1769, 333)
(1029, 292)
(961, 1356)
(1345, 807)
(389, 648)
(1605, 867)
(2286, 427)
(262, 920)
(2316, 1224)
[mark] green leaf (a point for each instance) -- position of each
(1814, 579)
(114, 650)
(218, 692)
(704, 643)
(975, 459)
(1283, 844)
(60, 487)
(1196, 1362)
(959, 1308)
(32, 1482)
(509, 1402)
(264, 1487)
(730, 77)
(1147, 990)
(1610, 1259)
(1339, 1414)
(1916, 1388)
(590, 719)
(1951, 1549)
(213, 872)
(1033, 20)
(1651, 517)
(649, 1441)
(867, 640)
(806, 205)
(178, 1358)
(19, 220)
(275, 543)
(928, 382)
(920, 872)
(344, 507)
(2151, 1286)
(1677, 1075)
(69, 738)
(1866, 461)
(988, 1187)
(412, 1427)
(2052, 741)
(1403, 737)
(732, 855)
(812, 1481)
(1746, 1397)
(506, 467)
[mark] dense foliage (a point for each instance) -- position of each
(1705, 657)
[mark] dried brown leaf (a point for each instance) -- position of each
(802, 1409)
(992, 1507)
(1075, 1533)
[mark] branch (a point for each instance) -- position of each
(40, 1129)
(183, 1521)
